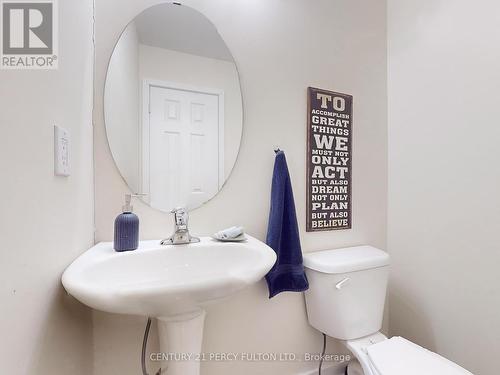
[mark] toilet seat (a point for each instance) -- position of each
(396, 356)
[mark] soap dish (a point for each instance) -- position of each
(239, 238)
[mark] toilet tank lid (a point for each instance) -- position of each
(348, 259)
(397, 356)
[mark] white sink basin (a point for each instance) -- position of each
(157, 280)
(171, 283)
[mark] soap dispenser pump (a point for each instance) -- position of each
(127, 227)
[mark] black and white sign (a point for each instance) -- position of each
(329, 160)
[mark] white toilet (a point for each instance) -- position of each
(345, 300)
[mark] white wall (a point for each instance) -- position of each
(444, 205)
(280, 47)
(123, 103)
(46, 221)
(172, 66)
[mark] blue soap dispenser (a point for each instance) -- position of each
(127, 227)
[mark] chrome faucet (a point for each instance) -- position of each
(181, 232)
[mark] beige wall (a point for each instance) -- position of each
(281, 47)
(444, 178)
(46, 221)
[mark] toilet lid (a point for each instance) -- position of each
(398, 356)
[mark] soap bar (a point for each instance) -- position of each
(228, 233)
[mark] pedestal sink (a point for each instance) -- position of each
(170, 283)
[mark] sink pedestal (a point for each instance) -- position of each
(180, 339)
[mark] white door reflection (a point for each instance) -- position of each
(183, 153)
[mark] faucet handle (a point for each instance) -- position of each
(180, 216)
(181, 234)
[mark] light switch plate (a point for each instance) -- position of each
(61, 151)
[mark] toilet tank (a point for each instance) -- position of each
(347, 289)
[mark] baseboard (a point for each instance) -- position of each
(332, 369)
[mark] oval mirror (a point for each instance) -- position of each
(173, 107)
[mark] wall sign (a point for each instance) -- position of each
(329, 160)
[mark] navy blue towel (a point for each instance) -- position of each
(287, 274)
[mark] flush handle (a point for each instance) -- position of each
(342, 283)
